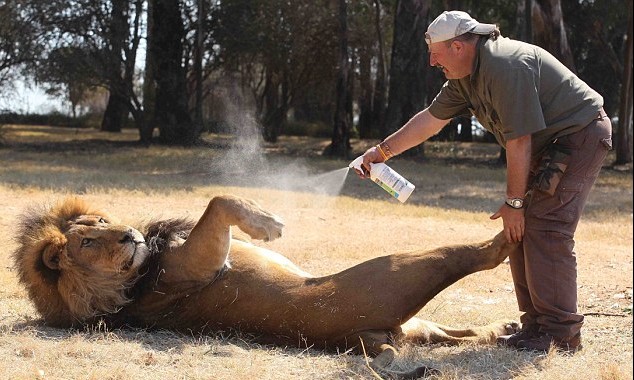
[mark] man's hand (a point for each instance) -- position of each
(513, 221)
(370, 156)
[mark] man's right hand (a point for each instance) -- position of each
(370, 156)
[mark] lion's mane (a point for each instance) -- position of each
(41, 228)
(75, 294)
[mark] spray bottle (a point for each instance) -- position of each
(387, 178)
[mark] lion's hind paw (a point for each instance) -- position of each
(506, 327)
(512, 327)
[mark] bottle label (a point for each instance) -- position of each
(386, 187)
(392, 179)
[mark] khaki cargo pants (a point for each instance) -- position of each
(544, 267)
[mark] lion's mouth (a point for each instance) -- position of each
(128, 264)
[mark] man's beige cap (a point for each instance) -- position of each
(452, 24)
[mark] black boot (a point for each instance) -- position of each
(527, 332)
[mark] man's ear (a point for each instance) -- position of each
(457, 45)
(53, 252)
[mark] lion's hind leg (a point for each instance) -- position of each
(420, 331)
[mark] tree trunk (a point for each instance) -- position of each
(116, 109)
(198, 65)
(624, 129)
(115, 114)
(340, 144)
(549, 31)
(171, 113)
(365, 94)
(523, 21)
(271, 118)
(409, 64)
(378, 102)
(146, 130)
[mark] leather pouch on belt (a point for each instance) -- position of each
(551, 169)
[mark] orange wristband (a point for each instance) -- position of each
(385, 149)
(378, 147)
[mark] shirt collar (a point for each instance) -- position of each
(476, 61)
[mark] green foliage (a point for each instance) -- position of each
(69, 46)
(291, 44)
(52, 119)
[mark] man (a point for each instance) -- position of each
(556, 136)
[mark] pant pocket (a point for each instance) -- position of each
(551, 169)
(559, 212)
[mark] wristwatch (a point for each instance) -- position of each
(516, 203)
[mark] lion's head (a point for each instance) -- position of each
(76, 262)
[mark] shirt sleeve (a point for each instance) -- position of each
(515, 96)
(450, 102)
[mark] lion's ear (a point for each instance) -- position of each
(52, 254)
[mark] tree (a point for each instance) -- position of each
(283, 53)
(122, 38)
(363, 43)
(20, 39)
(64, 77)
(408, 64)
(624, 128)
(94, 44)
(198, 62)
(340, 143)
(146, 129)
(171, 112)
(549, 30)
(599, 36)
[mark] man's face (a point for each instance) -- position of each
(450, 58)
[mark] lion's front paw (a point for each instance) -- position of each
(259, 223)
(270, 228)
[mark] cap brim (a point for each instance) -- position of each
(483, 28)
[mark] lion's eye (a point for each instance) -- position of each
(102, 220)
(86, 242)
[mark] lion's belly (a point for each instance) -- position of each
(261, 295)
(266, 261)
(265, 293)
(283, 311)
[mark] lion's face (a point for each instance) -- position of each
(95, 244)
(76, 262)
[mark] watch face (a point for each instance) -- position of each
(517, 203)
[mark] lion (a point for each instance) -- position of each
(81, 266)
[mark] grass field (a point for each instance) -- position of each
(333, 220)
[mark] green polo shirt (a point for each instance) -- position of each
(517, 89)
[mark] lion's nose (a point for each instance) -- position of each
(127, 238)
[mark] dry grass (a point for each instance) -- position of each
(325, 232)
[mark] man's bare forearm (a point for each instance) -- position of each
(518, 160)
(417, 130)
